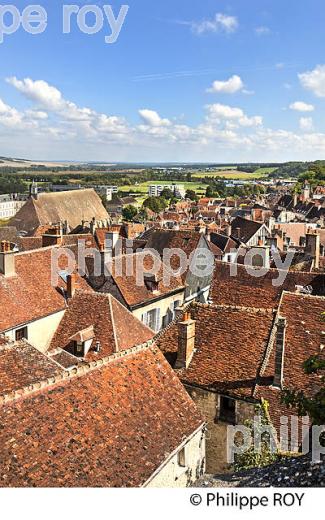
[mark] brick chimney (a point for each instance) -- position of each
(279, 352)
(313, 246)
(71, 284)
(186, 341)
(7, 259)
(53, 237)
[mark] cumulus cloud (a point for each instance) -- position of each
(220, 23)
(230, 86)
(301, 106)
(59, 128)
(236, 115)
(306, 124)
(38, 91)
(152, 118)
(314, 80)
(48, 99)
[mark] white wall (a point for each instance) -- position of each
(40, 332)
(174, 475)
(163, 304)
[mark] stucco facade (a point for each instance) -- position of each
(191, 454)
(39, 332)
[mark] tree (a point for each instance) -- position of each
(314, 405)
(253, 458)
(167, 193)
(209, 191)
(156, 204)
(129, 213)
(190, 194)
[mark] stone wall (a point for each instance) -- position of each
(216, 436)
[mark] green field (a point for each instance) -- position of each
(261, 173)
(142, 189)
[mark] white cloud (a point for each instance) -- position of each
(67, 131)
(87, 122)
(301, 106)
(38, 91)
(314, 80)
(12, 118)
(220, 23)
(152, 118)
(262, 30)
(230, 86)
(218, 112)
(306, 124)
(36, 114)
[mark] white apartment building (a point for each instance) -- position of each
(155, 190)
(9, 206)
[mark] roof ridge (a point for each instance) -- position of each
(235, 307)
(270, 269)
(68, 375)
(113, 322)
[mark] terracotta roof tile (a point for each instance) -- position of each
(113, 426)
(30, 295)
(230, 344)
(113, 325)
(233, 285)
(22, 365)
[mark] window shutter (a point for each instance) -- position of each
(158, 319)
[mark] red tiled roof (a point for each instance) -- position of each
(30, 295)
(124, 271)
(22, 365)
(230, 344)
(113, 325)
(50, 208)
(303, 338)
(113, 426)
(244, 289)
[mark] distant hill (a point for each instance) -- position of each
(25, 163)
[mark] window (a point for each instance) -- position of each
(177, 304)
(21, 334)
(181, 458)
(227, 411)
(152, 319)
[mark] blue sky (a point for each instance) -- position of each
(185, 81)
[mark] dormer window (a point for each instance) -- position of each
(151, 282)
(82, 341)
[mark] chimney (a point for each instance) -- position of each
(7, 259)
(111, 239)
(237, 232)
(313, 247)
(53, 237)
(71, 284)
(279, 352)
(186, 341)
(93, 226)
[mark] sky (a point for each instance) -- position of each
(184, 81)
